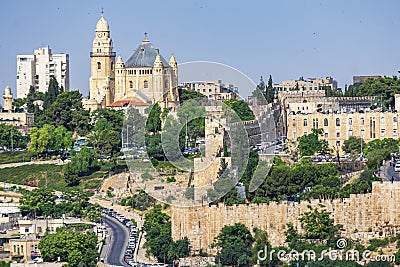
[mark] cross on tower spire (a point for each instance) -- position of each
(102, 12)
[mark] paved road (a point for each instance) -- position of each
(119, 240)
(387, 172)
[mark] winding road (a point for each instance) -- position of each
(119, 240)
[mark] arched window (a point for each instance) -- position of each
(337, 122)
(325, 122)
(305, 122)
(130, 84)
(146, 84)
(362, 121)
(350, 121)
(112, 65)
(98, 65)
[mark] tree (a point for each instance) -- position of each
(41, 139)
(30, 98)
(353, 145)
(61, 111)
(318, 224)
(82, 162)
(153, 123)
(383, 88)
(115, 118)
(38, 202)
(185, 95)
(310, 144)
(19, 102)
(270, 91)
(8, 133)
(134, 128)
(260, 243)
(52, 92)
(62, 139)
(241, 108)
(234, 242)
(196, 119)
(109, 142)
(75, 247)
(157, 227)
(81, 122)
(50, 138)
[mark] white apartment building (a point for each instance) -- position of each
(214, 90)
(37, 69)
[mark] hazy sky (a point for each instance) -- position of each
(287, 39)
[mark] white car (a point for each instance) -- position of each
(397, 167)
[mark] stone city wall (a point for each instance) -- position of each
(363, 216)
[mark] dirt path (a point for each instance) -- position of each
(17, 164)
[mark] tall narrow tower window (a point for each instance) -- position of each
(112, 65)
(98, 65)
(146, 84)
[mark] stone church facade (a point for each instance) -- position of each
(146, 77)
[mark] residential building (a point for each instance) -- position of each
(39, 227)
(312, 84)
(214, 90)
(24, 248)
(39, 68)
(339, 125)
(145, 77)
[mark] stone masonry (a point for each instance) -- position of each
(363, 216)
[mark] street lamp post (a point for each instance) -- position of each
(186, 133)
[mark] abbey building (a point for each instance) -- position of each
(145, 78)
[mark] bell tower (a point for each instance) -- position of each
(102, 62)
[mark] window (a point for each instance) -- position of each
(382, 120)
(315, 123)
(337, 133)
(337, 143)
(112, 65)
(204, 90)
(15, 248)
(305, 133)
(305, 122)
(325, 122)
(146, 84)
(98, 66)
(350, 133)
(210, 90)
(326, 135)
(395, 132)
(362, 121)
(350, 121)
(294, 135)
(294, 122)
(394, 119)
(362, 133)
(337, 122)
(383, 133)
(130, 84)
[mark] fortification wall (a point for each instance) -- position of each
(364, 216)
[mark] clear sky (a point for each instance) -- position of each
(287, 39)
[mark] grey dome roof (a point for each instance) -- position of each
(144, 56)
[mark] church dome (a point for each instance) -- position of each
(102, 25)
(144, 56)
